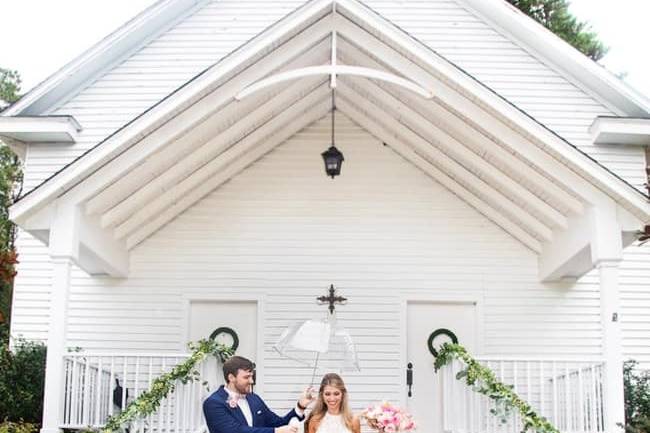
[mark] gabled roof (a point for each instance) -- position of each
(512, 169)
(78, 72)
(159, 16)
(563, 56)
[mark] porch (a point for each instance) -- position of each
(568, 392)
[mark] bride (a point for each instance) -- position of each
(331, 413)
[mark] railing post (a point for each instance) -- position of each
(54, 371)
(54, 379)
(64, 248)
(606, 255)
(613, 395)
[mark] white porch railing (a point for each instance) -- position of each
(91, 391)
(566, 392)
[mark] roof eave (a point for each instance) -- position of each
(620, 131)
(611, 184)
(100, 56)
(40, 129)
(160, 113)
(590, 74)
(622, 192)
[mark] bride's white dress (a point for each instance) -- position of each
(332, 424)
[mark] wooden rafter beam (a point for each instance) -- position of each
(119, 154)
(383, 134)
(481, 116)
(464, 130)
(170, 197)
(384, 122)
(457, 151)
(263, 146)
(183, 166)
(173, 150)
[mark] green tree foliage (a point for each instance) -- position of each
(9, 85)
(18, 427)
(555, 16)
(637, 398)
(22, 378)
(22, 371)
(10, 182)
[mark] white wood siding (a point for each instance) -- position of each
(635, 304)
(283, 230)
(221, 26)
(31, 297)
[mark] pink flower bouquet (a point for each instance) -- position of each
(386, 418)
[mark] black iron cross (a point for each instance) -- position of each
(331, 299)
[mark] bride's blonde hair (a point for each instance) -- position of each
(320, 409)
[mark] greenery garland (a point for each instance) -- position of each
(482, 380)
(149, 401)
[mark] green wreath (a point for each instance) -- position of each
(229, 331)
(437, 332)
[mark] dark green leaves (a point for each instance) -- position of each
(9, 85)
(555, 16)
(22, 378)
(637, 398)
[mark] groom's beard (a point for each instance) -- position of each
(242, 389)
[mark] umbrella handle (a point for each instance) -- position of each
(313, 374)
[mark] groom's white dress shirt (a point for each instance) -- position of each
(246, 409)
(243, 405)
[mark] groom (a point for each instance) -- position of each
(233, 408)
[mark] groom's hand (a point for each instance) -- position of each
(306, 398)
(286, 429)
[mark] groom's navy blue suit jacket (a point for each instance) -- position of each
(221, 418)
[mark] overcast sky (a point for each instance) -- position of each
(40, 36)
(623, 26)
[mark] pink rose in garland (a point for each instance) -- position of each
(386, 418)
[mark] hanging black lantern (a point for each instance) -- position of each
(333, 161)
(332, 157)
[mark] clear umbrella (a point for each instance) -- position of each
(319, 343)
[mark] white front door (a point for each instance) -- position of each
(238, 318)
(423, 319)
